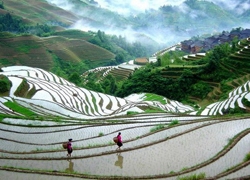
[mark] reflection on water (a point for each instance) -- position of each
(71, 165)
(119, 160)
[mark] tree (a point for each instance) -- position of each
(75, 78)
(158, 61)
(120, 58)
(5, 83)
(3, 86)
(1, 5)
(109, 85)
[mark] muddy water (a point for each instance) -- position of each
(172, 155)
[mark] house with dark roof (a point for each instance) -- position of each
(210, 42)
(186, 45)
(196, 47)
(234, 34)
(224, 38)
(245, 34)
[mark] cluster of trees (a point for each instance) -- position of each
(150, 79)
(107, 86)
(123, 49)
(15, 25)
(1, 5)
(213, 71)
(5, 84)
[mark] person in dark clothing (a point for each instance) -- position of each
(119, 141)
(69, 148)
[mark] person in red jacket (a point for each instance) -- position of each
(119, 141)
(69, 148)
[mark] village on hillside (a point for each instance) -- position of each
(195, 46)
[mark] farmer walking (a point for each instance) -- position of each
(119, 141)
(69, 148)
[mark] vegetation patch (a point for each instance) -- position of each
(132, 113)
(173, 123)
(154, 97)
(157, 128)
(19, 109)
(5, 84)
(194, 177)
(247, 157)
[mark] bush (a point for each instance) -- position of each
(173, 122)
(247, 157)
(193, 177)
(100, 134)
(156, 128)
(5, 84)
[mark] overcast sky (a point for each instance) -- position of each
(128, 7)
(134, 6)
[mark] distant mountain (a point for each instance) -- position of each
(167, 25)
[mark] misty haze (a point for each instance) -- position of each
(159, 22)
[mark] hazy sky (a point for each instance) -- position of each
(134, 6)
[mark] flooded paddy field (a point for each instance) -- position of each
(151, 149)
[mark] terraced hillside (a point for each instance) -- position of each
(42, 110)
(240, 60)
(39, 52)
(237, 65)
(234, 69)
(39, 12)
(155, 146)
(193, 57)
(120, 72)
(47, 94)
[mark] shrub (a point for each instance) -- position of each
(247, 157)
(193, 177)
(156, 128)
(5, 84)
(131, 112)
(101, 134)
(173, 122)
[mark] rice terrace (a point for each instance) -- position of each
(182, 106)
(167, 145)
